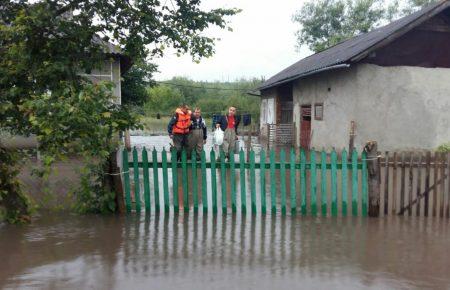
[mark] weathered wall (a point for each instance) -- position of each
(403, 108)
(109, 72)
(267, 111)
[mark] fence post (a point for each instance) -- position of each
(374, 176)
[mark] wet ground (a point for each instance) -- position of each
(230, 252)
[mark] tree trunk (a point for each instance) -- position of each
(114, 181)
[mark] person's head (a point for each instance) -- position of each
(197, 113)
(184, 108)
(232, 111)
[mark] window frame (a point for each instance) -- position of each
(316, 117)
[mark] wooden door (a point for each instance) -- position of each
(305, 127)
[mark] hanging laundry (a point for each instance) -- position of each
(247, 119)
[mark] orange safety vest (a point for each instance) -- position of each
(183, 122)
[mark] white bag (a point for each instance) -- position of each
(218, 137)
(237, 146)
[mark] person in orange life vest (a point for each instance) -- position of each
(229, 123)
(178, 129)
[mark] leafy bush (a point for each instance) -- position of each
(92, 196)
(444, 148)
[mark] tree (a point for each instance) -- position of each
(46, 45)
(135, 83)
(325, 23)
(162, 99)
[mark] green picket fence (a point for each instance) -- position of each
(309, 183)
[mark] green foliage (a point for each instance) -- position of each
(14, 204)
(163, 99)
(444, 148)
(325, 23)
(77, 121)
(92, 196)
(211, 97)
(135, 83)
(45, 50)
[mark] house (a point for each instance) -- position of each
(115, 64)
(391, 85)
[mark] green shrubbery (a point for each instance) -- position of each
(211, 97)
(444, 148)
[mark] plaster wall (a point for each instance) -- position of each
(403, 108)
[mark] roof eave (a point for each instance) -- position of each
(281, 82)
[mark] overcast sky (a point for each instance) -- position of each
(261, 44)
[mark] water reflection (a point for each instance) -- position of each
(191, 250)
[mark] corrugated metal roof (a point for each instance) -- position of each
(346, 52)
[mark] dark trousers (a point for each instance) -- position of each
(180, 142)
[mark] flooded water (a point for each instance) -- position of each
(225, 252)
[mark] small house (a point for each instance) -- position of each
(391, 85)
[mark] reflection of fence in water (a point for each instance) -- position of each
(310, 183)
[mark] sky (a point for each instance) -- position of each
(261, 44)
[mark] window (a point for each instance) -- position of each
(318, 111)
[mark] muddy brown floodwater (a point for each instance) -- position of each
(229, 252)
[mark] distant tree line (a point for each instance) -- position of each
(211, 97)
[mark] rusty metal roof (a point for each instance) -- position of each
(354, 49)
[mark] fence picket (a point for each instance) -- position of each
(253, 181)
(155, 180)
(204, 186)
(354, 182)
(442, 191)
(262, 163)
(194, 180)
(165, 181)
(410, 189)
(364, 187)
(213, 180)
(223, 181)
(427, 184)
(137, 191)
(334, 207)
(273, 182)
(394, 185)
(313, 185)
(184, 180)
(303, 181)
(233, 183)
(419, 185)
(402, 181)
(175, 196)
(126, 177)
(435, 179)
(242, 180)
(448, 185)
(344, 178)
(146, 180)
(386, 183)
(323, 183)
(293, 183)
(283, 181)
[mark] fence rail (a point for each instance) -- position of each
(309, 182)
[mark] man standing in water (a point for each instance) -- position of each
(229, 123)
(197, 133)
(178, 128)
